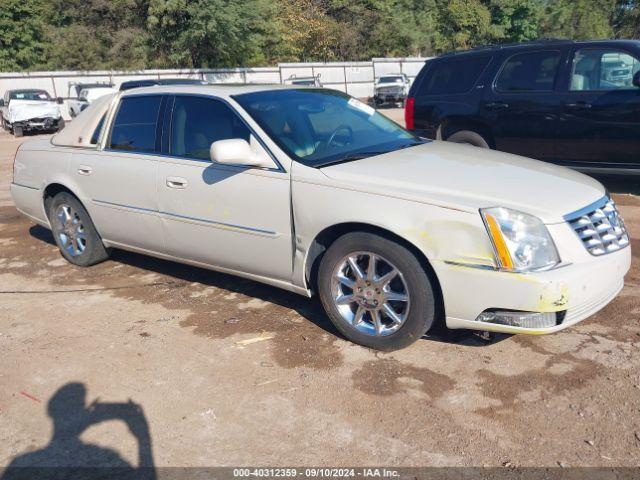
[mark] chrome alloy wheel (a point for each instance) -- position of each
(71, 233)
(370, 293)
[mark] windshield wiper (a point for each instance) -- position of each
(352, 157)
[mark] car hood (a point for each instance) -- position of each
(21, 110)
(468, 178)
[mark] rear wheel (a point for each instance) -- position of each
(375, 291)
(468, 137)
(74, 231)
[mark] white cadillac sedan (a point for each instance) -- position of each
(311, 190)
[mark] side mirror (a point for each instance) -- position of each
(236, 151)
(59, 101)
(636, 79)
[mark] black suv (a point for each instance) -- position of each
(571, 103)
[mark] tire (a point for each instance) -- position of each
(60, 124)
(360, 301)
(18, 132)
(3, 123)
(74, 232)
(468, 137)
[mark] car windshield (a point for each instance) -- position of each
(29, 95)
(393, 79)
(320, 127)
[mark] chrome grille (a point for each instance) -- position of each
(390, 89)
(600, 227)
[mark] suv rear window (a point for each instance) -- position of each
(453, 76)
(529, 72)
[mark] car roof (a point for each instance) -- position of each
(551, 42)
(219, 90)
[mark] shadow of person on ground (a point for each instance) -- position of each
(67, 457)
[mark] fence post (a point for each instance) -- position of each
(344, 72)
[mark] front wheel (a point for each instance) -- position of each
(18, 132)
(375, 291)
(74, 231)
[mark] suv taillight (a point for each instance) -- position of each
(408, 113)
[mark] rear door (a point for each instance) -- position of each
(523, 105)
(600, 121)
(227, 216)
(119, 182)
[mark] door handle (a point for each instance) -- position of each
(84, 170)
(496, 105)
(176, 182)
(579, 106)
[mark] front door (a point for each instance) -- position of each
(222, 215)
(600, 121)
(522, 105)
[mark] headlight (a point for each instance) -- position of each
(521, 241)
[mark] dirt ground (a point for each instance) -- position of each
(231, 372)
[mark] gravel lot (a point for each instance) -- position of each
(231, 372)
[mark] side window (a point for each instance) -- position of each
(529, 72)
(197, 122)
(98, 130)
(602, 69)
(134, 128)
(453, 76)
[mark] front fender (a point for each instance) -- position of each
(441, 234)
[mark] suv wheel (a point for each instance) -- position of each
(468, 137)
(375, 291)
(74, 231)
(18, 132)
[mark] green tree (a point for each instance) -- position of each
(627, 19)
(96, 34)
(404, 28)
(463, 24)
(208, 33)
(516, 20)
(579, 19)
(21, 34)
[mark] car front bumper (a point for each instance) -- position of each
(576, 291)
(46, 123)
(389, 97)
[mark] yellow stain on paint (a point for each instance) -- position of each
(554, 298)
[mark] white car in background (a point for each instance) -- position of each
(87, 95)
(313, 191)
(30, 110)
(392, 88)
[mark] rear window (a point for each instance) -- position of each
(529, 72)
(134, 128)
(453, 76)
(29, 95)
